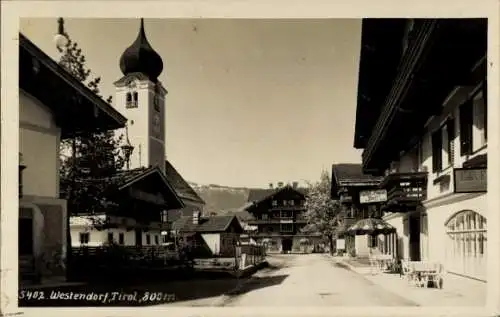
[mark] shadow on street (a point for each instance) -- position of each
(257, 283)
(143, 294)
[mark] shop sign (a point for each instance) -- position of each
(372, 196)
(470, 180)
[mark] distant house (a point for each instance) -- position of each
(209, 236)
(278, 213)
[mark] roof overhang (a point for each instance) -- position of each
(76, 108)
(429, 71)
(381, 47)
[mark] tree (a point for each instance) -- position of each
(322, 213)
(87, 160)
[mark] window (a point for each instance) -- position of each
(286, 227)
(286, 214)
(270, 229)
(110, 237)
(84, 237)
(275, 203)
(148, 239)
(291, 202)
(157, 239)
(466, 115)
(285, 202)
(437, 154)
(132, 99)
(265, 216)
(121, 238)
(467, 238)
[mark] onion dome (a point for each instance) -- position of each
(140, 57)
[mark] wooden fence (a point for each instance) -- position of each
(133, 255)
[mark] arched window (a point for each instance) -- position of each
(467, 235)
(132, 99)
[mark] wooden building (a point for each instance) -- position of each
(351, 187)
(421, 121)
(278, 213)
(215, 236)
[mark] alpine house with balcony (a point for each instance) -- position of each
(278, 213)
(421, 119)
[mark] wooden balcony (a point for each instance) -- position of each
(405, 191)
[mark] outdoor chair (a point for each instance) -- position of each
(430, 273)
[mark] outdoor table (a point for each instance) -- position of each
(421, 273)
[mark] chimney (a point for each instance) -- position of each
(295, 184)
(196, 217)
(280, 184)
(271, 185)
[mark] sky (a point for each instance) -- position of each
(249, 101)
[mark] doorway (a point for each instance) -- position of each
(286, 245)
(414, 238)
(138, 237)
(25, 236)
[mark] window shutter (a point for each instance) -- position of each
(450, 129)
(466, 128)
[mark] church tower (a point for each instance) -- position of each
(140, 97)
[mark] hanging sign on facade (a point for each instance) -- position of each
(470, 180)
(340, 244)
(372, 196)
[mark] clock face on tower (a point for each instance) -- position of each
(156, 125)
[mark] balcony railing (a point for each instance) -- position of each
(277, 220)
(288, 208)
(404, 190)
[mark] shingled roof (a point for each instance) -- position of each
(209, 224)
(181, 187)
